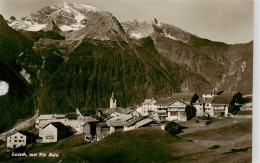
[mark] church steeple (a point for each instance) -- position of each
(112, 101)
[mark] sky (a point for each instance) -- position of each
(229, 21)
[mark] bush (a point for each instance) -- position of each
(173, 128)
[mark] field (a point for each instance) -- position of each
(212, 143)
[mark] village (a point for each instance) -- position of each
(155, 113)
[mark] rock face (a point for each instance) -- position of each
(70, 56)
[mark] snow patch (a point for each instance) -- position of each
(243, 66)
(25, 75)
(72, 27)
(4, 88)
(27, 25)
(136, 35)
(174, 38)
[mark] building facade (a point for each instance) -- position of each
(20, 138)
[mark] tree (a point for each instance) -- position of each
(190, 112)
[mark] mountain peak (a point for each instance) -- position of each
(3, 24)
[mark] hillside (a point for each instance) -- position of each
(155, 145)
(71, 56)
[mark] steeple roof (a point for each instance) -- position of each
(113, 95)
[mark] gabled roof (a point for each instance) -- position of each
(163, 101)
(144, 122)
(25, 133)
(225, 97)
(58, 125)
(186, 97)
(178, 101)
(134, 121)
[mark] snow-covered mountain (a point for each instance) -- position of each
(144, 29)
(68, 16)
(73, 21)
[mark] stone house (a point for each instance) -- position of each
(102, 130)
(20, 138)
(54, 131)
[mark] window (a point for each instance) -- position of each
(207, 104)
(21, 137)
(15, 140)
(15, 137)
(10, 140)
(20, 141)
(173, 113)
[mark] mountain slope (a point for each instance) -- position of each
(212, 60)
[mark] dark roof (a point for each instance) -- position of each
(26, 133)
(225, 97)
(58, 125)
(163, 101)
(186, 97)
(103, 110)
(134, 121)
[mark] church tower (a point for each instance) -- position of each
(112, 101)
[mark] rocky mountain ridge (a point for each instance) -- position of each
(60, 70)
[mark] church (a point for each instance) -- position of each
(112, 101)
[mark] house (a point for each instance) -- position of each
(44, 119)
(216, 104)
(222, 102)
(188, 98)
(116, 125)
(139, 122)
(131, 125)
(204, 107)
(102, 130)
(160, 112)
(78, 123)
(54, 131)
(115, 111)
(147, 106)
(176, 110)
(20, 138)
